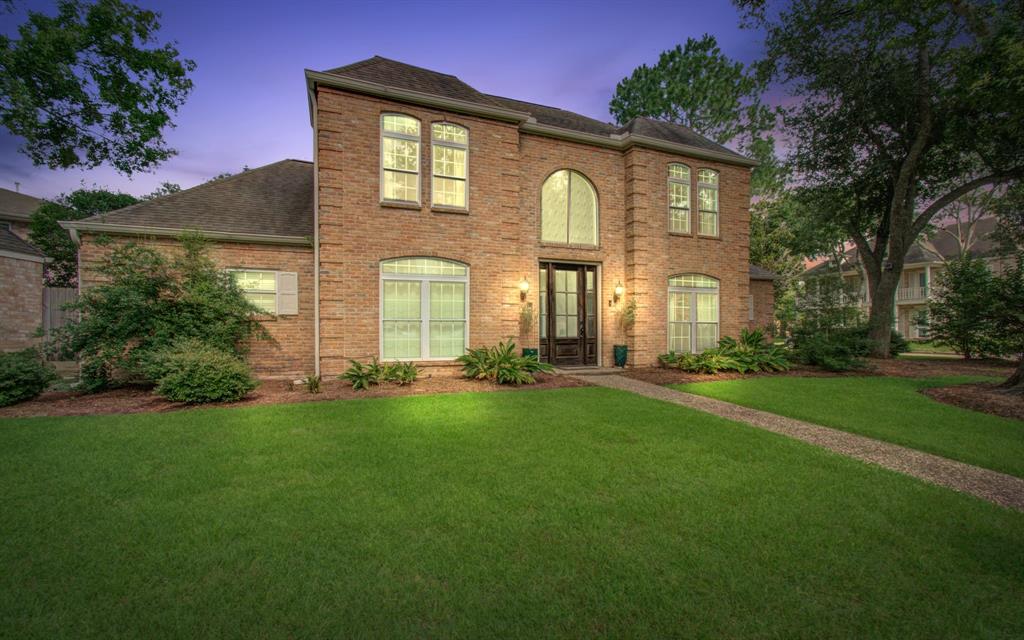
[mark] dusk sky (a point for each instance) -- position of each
(249, 106)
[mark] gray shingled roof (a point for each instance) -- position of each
(275, 200)
(14, 244)
(400, 75)
(946, 244)
(17, 206)
(759, 273)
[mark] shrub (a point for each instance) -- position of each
(23, 376)
(501, 364)
(750, 353)
(312, 384)
(965, 291)
(194, 372)
(362, 376)
(401, 373)
(829, 353)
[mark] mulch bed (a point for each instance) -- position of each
(141, 400)
(982, 396)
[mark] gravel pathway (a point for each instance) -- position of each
(999, 488)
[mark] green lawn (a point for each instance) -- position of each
(928, 347)
(890, 409)
(565, 513)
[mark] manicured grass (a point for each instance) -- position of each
(929, 347)
(565, 513)
(890, 409)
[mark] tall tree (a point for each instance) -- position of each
(46, 233)
(903, 107)
(698, 86)
(91, 86)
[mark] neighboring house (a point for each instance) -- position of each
(15, 211)
(21, 291)
(435, 217)
(924, 262)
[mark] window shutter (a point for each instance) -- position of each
(287, 293)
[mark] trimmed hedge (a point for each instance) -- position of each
(194, 372)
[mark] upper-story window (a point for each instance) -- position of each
(568, 209)
(400, 158)
(678, 198)
(450, 144)
(707, 194)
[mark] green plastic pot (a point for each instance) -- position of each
(527, 352)
(620, 351)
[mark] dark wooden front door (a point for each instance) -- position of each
(568, 314)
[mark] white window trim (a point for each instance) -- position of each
(419, 152)
(424, 280)
(689, 198)
(568, 211)
(277, 286)
(433, 174)
(718, 202)
(692, 292)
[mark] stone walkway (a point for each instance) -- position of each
(999, 488)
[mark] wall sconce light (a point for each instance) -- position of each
(524, 287)
(619, 290)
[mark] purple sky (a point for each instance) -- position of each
(248, 106)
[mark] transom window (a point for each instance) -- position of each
(678, 198)
(400, 158)
(424, 307)
(707, 194)
(568, 209)
(450, 144)
(692, 313)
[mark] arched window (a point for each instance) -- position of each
(678, 198)
(707, 194)
(399, 158)
(692, 313)
(568, 209)
(450, 145)
(424, 308)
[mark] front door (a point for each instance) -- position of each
(568, 314)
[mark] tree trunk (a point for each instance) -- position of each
(880, 314)
(1015, 383)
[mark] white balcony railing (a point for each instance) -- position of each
(906, 294)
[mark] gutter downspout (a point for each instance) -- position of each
(316, 229)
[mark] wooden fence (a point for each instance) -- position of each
(54, 314)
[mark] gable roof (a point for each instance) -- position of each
(944, 242)
(17, 206)
(401, 81)
(273, 203)
(12, 244)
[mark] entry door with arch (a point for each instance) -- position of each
(568, 314)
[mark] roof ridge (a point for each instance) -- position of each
(375, 58)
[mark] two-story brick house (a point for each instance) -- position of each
(435, 217)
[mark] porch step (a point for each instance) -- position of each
(588, 371)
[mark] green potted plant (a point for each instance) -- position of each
(627, 318)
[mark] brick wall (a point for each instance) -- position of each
(21, 302)
(289, 354)
(499, 237)
(763, 293)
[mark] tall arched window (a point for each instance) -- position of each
(678, 198)
(424, 308)
(450, 144)
(692, 313)
(707, 194)
(399, 158)
(568, 209)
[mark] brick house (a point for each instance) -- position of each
(435, 217)
(21, 273)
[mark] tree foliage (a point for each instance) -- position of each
(903, 107)
(46, 233)
(1007, 314)
(90, 86)
(958, 316)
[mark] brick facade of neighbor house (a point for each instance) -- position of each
(762, 293)
(289, 352)
(21, 302)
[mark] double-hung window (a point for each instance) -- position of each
(400, 158)
(424, 308)
(274, 292)
(450, 151)
(692, 313)
(678, 198)
(707, 194)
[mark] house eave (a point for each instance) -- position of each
(77, 226)
(28, 257)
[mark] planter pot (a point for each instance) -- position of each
(620, 351)
(527, 352)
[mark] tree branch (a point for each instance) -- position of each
(925, 217)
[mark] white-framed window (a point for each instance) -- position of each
(424, 309)
(678, 198)
(275, 292)
(707, 195)
(568, 209)
(692, 313)
(449, 165)
(399, 158)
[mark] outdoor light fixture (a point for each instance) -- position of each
(619, 290)
(524, 286)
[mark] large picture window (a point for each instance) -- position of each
(424, 308)
(568, 209)
(707, 193)
(450, 149)
(678, 198)
(400, 158)
(692, 313)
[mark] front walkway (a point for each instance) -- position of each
(999, 488)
